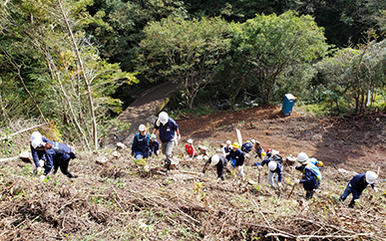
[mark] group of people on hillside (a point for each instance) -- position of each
(48, 156)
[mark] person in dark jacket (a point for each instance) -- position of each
(309, 179)
(141, 143)
(247, 147)
(236, 158)
(57, 155)
(220, 162)
(226, 149)
(169, 135)
(356, 186)
(257, 148)
(38, 156)
(154, 145)
(274, 169)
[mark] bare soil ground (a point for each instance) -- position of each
(354, 142)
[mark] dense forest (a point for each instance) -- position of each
(80, 63)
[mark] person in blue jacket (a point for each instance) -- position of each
(57, 155)
(169, 134)
(154, 145)
(356, 186)
(274, 169)
(237, 158)
(141, 143)
(38, 156)
(247, 147)
(309, 180)
(220, 162)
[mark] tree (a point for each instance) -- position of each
(356, 72)
(264, 47)
(70, 80)
(185, 51)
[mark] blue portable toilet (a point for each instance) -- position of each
(288, 104)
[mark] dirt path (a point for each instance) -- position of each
(142, 111)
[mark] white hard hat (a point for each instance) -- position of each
(37, 142)
(229, 142)
(371, 177)
(302, 158)
(253, 141)
(142, 127)
(35, 134)
(215, 159)
(190, 141)
(163, 117)
(272, 165)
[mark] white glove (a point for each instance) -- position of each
(179, 137)
(260, 167)
(153, 136)
(39, 170)
(158, 123)
(280, 185)
(356, 200)
(42, 177)
(41, 163)
(202, 174)
(296, 181)
(375, 189)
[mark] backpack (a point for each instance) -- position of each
(277, 158)
(315, 170)
(64, 149)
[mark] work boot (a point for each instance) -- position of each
(351, 205)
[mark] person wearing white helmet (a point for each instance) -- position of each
(154, 145)
(220, 162)
(311, 175)
(57, 155)
(141, 143)
(226, 149)
(38, 155)
(189, 148)
(274, 169)
(356, 186)
(169, 134)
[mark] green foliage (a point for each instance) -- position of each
(43, 52)
(351, 73)
(268, 47)
(185, 51)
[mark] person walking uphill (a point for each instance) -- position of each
(168, 129)
(57, 155)
(236, 158)
(356, 186)
(311, 175)
(141, 143)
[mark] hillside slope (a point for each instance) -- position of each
(113, 198)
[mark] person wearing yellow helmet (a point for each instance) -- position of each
(237, 158)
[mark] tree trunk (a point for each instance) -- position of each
(87, 85)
